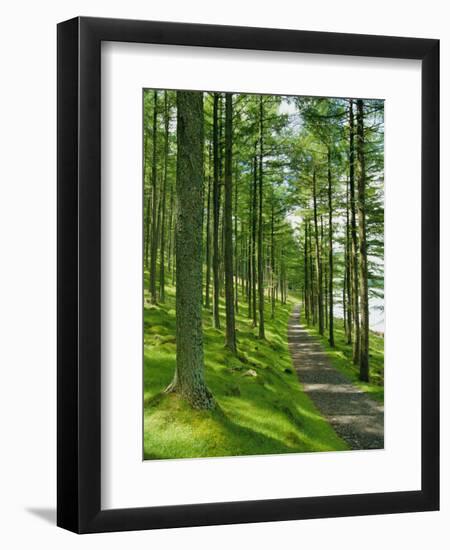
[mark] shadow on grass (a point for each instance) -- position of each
(224, 436)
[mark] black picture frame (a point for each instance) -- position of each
(79, 281)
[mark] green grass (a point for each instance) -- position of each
(341, 358)
(261, 406)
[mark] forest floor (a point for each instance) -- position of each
(355, 416)
(262, 408)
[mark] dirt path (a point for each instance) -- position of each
(357, 418)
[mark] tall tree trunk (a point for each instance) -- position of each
(354, 255)
(189, 375)
(330, 256)
(363, 274)
(272, 255)
(318, 257)
(324, 264)
(154, 239)
(254, 212)
(170, 230)
(228, 226)
(306, 276)
(163, 198)
(236, 241)
(312, 278)
(348, 261)
(216, 212)
(208, 233)
(148, 202)
(260, 222)
(249, 245)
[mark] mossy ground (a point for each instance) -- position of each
(261, 406)
(341, 358)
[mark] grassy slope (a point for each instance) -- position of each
(263, 414)
(341, 358)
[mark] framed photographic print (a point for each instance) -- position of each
(248, 255)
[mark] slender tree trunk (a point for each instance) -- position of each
(228, 226)
(163, 221)
(330, 256)
(306, 276)
(312, 278)
(318, 258)
(354, 255)
(236, 240)
(260, 224)
(272, 254)
(208, 234)
(324, 264)
(148, 203)
(348, 260)
(249, 246)
(344, 300)
(170, 231)
(363, 274)
(254, 210)
(216, 213)
(154, 241)
(189, 376)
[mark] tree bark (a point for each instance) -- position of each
(354, 255)
(154, 238)
(306, 275)
(236, 254)
(330, 256)
(208, 234)
(216, 212)
(189, 380)
(260, 223)
(163, 198)
(363, 274)
(254, 211)
(228, 226)
(318, 257)
(272, 256)
(348, 260)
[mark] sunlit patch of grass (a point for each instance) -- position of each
(262, 408)
(341, 358)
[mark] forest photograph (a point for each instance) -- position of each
(263, 274)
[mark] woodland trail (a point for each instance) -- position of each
(355, 417)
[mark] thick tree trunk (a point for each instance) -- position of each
(330, 257)
(216, 213)
(189, 376)
(228, 226)
(363, 274)
(154, 238)
(354, 255)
